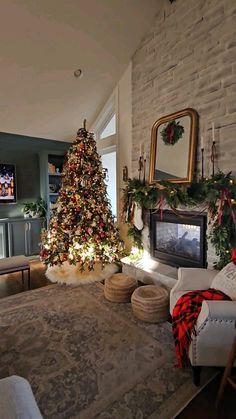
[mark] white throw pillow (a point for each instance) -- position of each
(225, 280)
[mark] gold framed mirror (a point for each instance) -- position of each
(173, 147)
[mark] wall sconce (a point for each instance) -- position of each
(125, 173)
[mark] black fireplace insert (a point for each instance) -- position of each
(178, 239)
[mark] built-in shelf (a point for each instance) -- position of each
(54, 177)
(51, 168)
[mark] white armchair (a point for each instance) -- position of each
(17, 399)
(215, 327)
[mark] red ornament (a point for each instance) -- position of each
(43, 252)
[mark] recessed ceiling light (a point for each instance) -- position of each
(78, 73)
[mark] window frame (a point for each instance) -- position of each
(112, 149)
(104, 126)
(110, 143)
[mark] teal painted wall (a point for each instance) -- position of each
(24, 152)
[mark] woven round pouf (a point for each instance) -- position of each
(119, 288)
(150, 303)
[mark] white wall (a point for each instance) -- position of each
(121, 99)
(188, 59)
(125, 123)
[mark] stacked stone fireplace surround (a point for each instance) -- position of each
(187, 59)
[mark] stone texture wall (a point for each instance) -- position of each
(188, 59)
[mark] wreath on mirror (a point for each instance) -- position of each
(172, 133)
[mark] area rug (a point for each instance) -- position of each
(88, 358)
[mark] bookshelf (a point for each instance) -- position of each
(51, 165)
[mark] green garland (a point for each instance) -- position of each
(218, 194)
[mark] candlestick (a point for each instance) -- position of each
(202, 142)
(213, 131)
(140, 167)
(202, 152)
(125, 173)
(213, 156)
(144, 168)
(141, 148)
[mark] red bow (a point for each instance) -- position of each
(225, 197)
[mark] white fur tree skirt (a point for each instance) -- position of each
(70, 274)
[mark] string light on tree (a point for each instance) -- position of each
(81, 229)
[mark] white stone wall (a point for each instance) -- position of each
(188, 59)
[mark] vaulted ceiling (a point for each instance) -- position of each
(44, 42)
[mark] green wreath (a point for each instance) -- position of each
(172, 133)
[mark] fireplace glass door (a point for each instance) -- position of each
(179, 241)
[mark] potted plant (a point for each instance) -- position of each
(35, 209)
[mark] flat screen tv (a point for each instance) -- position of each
(7, 183)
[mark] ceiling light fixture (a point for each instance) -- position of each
(78, 73)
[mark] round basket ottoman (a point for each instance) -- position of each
(119, 288)
(150, 303)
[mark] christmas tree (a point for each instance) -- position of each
(81, 228)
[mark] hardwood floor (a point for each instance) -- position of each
(202, 406)
(11, 283)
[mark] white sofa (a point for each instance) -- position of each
(17, 400)
(215, 327)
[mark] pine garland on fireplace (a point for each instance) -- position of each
(216, 195)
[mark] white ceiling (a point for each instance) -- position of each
(42, 42)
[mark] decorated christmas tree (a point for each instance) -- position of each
(81, 228)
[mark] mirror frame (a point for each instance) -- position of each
(192, 145)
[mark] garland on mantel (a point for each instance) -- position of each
(216, 195)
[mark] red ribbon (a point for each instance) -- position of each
(160, 206)
(232, 210)
(224, 196)
(233, 255)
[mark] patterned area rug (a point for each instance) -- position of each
(88, 358)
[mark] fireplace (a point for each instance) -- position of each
(178, 240)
